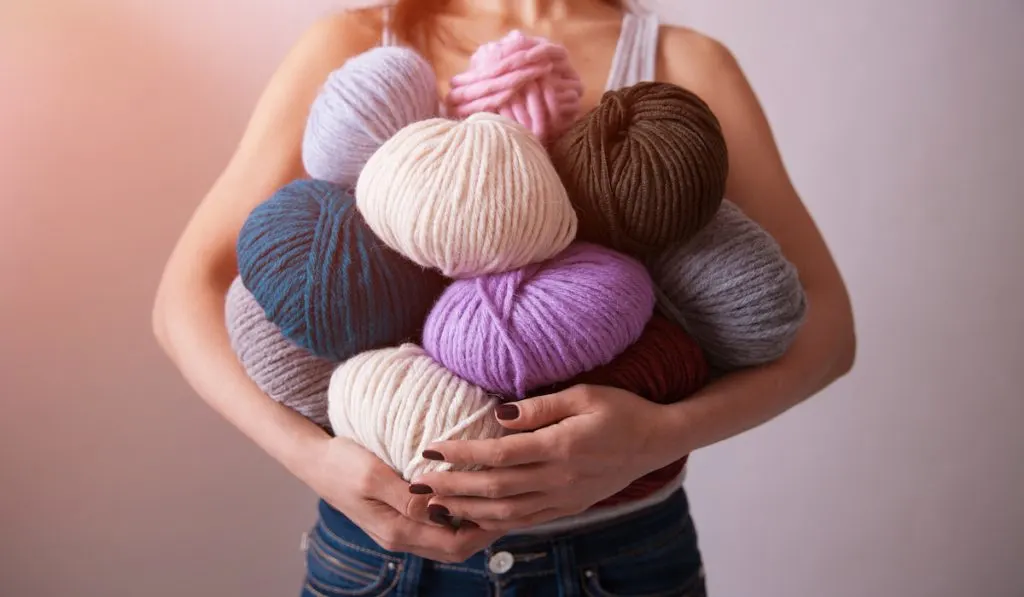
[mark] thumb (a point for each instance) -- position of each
(533, 413)
(385, 485)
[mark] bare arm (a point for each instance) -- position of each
(188, 315)
(758, 182)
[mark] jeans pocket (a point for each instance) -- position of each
(337, 568)
(665, 565)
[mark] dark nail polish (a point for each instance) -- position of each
(441, 519)
(420, 489)
(433, 509)
(507, 412)
(433, 455)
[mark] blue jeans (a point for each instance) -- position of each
(652, 553)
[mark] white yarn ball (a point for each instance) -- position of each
(397, 401)
(467, 197)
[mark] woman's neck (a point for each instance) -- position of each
(529, 12)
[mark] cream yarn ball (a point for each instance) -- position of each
(397, 401)
(467, 197)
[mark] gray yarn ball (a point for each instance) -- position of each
(284, 371)
(733, 290)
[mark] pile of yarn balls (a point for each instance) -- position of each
(447, 254)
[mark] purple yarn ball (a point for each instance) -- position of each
(545, 323)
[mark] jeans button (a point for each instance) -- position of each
(501, 562)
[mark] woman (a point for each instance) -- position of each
(532, 530)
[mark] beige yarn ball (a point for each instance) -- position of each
(397, 401)
(467, 197)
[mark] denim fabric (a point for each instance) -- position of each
(651, 553)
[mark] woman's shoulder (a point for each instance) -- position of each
(341, 35)
(695, 60)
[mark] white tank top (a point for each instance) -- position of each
(634, 61)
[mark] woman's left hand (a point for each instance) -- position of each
(578, 447)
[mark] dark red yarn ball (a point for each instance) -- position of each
(664, 365)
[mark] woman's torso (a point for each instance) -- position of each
(610, 49)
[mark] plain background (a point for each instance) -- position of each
(900, 121)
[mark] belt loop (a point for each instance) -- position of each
(565, 567)
(409, 575)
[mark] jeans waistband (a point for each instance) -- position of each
(645, 530)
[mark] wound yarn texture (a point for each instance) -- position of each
(287, 373)
(733, 289)
(466, 197)
(664, 365)
(645, 169)
(361, 105)
(515, 331)
(322, 276)
(397, 401)
(528, 79)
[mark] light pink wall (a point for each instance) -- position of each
(901, 123)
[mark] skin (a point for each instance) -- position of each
(587, 442)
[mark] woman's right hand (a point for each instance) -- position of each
(378, 500)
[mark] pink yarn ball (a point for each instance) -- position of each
(527, 79)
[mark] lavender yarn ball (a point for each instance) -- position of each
(544, 323)
(733, 290)
(287, 373)
(361, 105)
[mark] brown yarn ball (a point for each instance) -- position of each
(644, 169)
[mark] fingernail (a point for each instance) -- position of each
(420, 489)
(468, 524)
(507, 412)
(433, 455)
(438, 509)
(441, 519)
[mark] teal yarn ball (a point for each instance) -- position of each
(321, 276)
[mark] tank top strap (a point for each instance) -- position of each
(387, 36)
(636, 54)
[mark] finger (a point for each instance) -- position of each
(384, 485)
(487, 512)
(511, 450)
(492, 483)
(393, 532)
(534, 413)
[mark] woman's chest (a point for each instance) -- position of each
(591, 47)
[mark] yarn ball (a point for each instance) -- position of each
(515, 331)
(361, 105)
(664, 365)
(466, 197)
(527, 79)
(733, 290)
(645, 169)
(397, 401)
(287, 373)
(322, 277)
